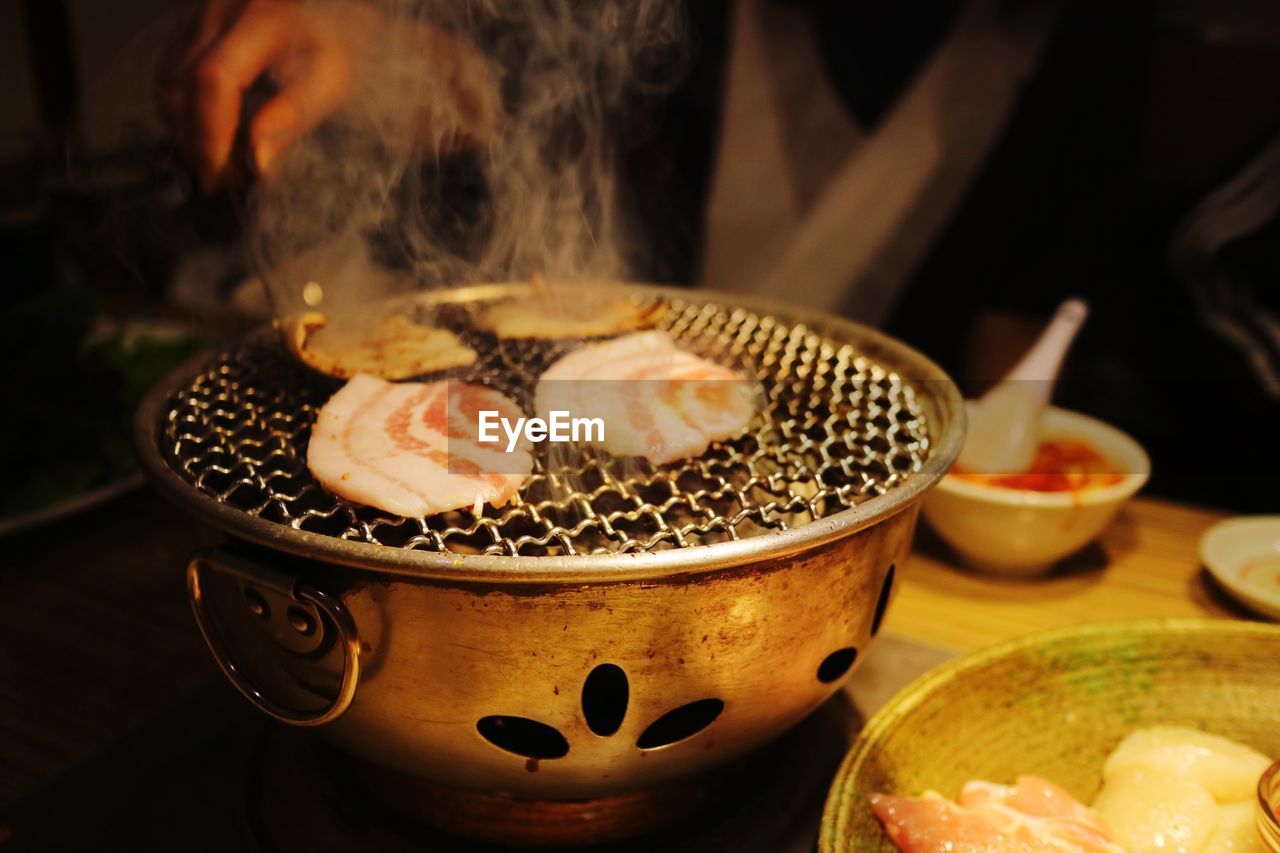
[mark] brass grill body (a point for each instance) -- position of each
(733, 592)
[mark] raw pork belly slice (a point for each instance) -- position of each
(410, 448)
(1033, 815)
(655, 399)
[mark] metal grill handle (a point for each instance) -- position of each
(216, 560)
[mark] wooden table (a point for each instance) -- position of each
(1146, 564)
(98, 638)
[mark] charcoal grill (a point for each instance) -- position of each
(615, 631)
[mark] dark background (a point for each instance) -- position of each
(1137, 112)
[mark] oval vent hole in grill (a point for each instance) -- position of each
(524, 737)
(682, 723)
(604, 699)
(883, 603)
(836, 664)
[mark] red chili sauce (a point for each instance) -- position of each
(1059, 466)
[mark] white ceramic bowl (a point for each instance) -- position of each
(1024, 532)
(1243, 555)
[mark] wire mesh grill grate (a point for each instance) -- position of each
(835, 429)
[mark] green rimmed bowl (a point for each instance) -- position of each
(1056, 704)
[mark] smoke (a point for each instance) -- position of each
(477, 144)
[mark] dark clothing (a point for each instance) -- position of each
(1065, 206)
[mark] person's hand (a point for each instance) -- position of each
(412, 77)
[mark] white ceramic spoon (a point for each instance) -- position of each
(1004, 426)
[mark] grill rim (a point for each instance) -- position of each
(947, 410)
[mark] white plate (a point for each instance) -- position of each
(1243, 554)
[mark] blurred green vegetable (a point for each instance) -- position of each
(71, 396)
